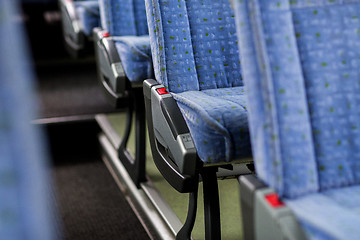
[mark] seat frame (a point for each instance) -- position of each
(110, 69)
(175, 156)
(124, 95)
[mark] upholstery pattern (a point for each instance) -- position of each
(217, 119)
(330, 57)
(195, 55)
(301, 69)
(123, 17)
(89, 15)
(140, 17)
(321, 100)
(278, 111)
(180, 66)
(126, 19)
(331, 214)
(195, 43)
(135, 55)
(24, 207)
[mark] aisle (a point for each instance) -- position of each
(70, 88)
(91, 205)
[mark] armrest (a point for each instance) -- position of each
(273, 219)
(173, 149)
(74, 38)
(249, 184)
(110, 70)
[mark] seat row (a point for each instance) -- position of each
(298, 61)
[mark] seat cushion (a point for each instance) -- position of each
(217, 119)
(89, 15)
(135, 55)
(332, 214)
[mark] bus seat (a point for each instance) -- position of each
(196, 107)
(79, 17)
(25, 186)
(300, 60)
(89, 15)
(123, 47)
(135, 56)
(123, 56)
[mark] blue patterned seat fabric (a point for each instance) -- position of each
(126, 19)
(196, 58)
(89, 15)
(330, 214)
(135, 55)
(24, 183)
(123, 17)
(218, 119)
(300, 60)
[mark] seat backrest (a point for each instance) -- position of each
(89, 15)
(123, 17)
(24, 183)
(194, 44)
(300, 64)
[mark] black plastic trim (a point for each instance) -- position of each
(168, 169)
(147, 86)
(107, 48)
(110, 49)
(173, 117)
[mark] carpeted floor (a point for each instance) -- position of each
(91, 206)
(70, 88)
(66, 86)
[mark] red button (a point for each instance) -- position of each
(106, 34)
(274, 201)
(162, 91)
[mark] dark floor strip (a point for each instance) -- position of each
(71, 89)
(91, 205)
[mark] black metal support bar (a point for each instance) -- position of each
(140, 132)
(185, 231)
(129, 117)
(135, 166)
(211, 203)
